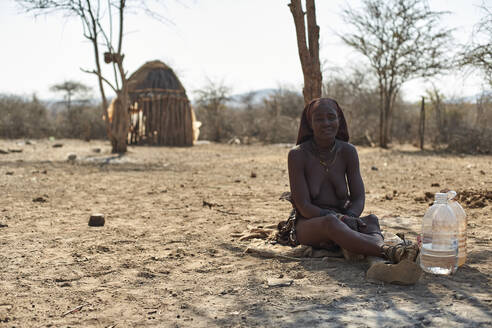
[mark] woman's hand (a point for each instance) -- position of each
(325, 212)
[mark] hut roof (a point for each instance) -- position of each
(154, 77)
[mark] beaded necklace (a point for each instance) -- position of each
(317, 154)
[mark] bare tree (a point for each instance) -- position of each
(308, 52)
(71, 89)
(478, 53)
(402, 41)
(99, 19)
(211, 103)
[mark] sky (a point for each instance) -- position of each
(244, 44)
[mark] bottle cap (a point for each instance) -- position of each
(451, 194)
(441, 197)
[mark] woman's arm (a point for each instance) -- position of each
(298, 186)
(355, 183)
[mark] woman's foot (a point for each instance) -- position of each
(401, 251)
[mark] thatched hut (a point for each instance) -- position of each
(160, 112)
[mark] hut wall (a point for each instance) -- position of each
(164, 120)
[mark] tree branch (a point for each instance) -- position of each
(101, 77)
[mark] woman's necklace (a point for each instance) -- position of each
(317, 154)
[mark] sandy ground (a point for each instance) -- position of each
(163, 259)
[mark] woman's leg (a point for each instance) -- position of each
(316, 231)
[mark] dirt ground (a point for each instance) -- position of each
(163, 259)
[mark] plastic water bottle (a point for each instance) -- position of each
(462, 223)
(439, 250)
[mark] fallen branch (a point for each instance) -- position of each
(74, 309)
(270, 254)
(227, 212)
(210, 204)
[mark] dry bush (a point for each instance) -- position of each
(80, 122)
(470, 140)
(23, 118)
(29, 118)
(274, 119)
(405, 124)
(465, 127)
(278, 116)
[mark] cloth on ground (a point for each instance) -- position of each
(267, 248)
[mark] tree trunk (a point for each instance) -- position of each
(386, 115)
(309, 55)
(120, 123)
(438, 117)
(422, 124)
(381, 115)
(393, 96)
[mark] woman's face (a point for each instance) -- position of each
(325, 121)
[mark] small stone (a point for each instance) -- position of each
(15, 150)
(299, 275)
(435, 184)
(57, 145)
(71, 157)
(97, 220)
(253, 174)
(4, 152)
(374, 168)
(96, 150)
(404, 273)
(9, 173)
(279, 282)
(429, 195)
(41, 199)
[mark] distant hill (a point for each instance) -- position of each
(256, 97)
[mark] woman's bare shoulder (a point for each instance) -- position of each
(348, 151)
(347, 147)
(299, 152)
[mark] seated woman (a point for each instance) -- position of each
(327, 190)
